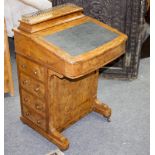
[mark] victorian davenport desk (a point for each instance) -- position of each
(59, 52)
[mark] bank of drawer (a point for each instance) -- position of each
(32, 85)
(33, 102)
(34, 117)
(31, 68)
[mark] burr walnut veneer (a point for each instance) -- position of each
(59, 52)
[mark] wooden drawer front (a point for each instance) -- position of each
(32, 86)
(34, 117)
(31, 68)
(33, 102)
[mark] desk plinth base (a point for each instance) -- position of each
(56, 137)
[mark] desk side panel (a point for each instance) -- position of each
(70, 99)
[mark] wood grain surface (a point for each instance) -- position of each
(58, 89)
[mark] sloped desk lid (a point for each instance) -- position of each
(81, 38)
(74, 48)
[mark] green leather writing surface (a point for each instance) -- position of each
(82, 38)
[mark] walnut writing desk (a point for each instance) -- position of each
(59, 52)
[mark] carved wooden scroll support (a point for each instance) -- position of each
(102, 109)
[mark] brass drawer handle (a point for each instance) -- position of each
(38, 122)
(26, 99)
(35, 72)
(25, 82)
(27, 114)
(38, 107)
(37, 89)
(24, 66)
